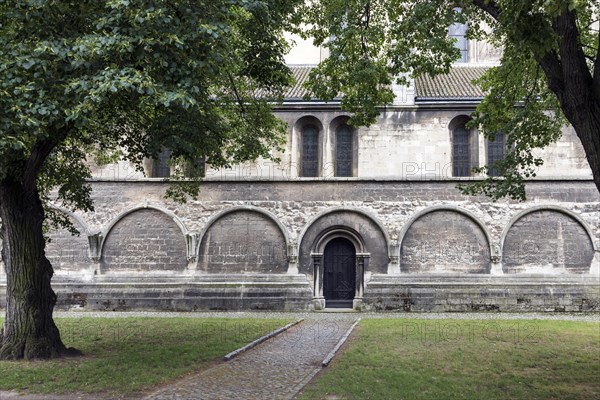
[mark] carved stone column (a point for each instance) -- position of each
(362, 263)
(292, 255)
(496, 260)
(394, 265)
(318, 298)
(595, 267)
(191, 240)
(94, 251)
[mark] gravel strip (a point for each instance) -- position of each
(586, 317)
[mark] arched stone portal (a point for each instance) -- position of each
(366, 234)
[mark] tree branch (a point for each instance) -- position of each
(489, 6)
(553, 70)
(39, 154)
(365, 26)
(237, 94)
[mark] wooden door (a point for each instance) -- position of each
(339, 275)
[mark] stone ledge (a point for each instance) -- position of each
(482, 280)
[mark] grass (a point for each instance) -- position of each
(458, 359)
(123, 356)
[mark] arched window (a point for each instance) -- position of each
(459, 32)
(461, 154)
(344, 151)
(160, 166)
(495, 152)
(310, 151)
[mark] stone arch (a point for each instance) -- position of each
(337, 121)
(549, 240)
(339, 232)
(457, 121)
(145, 238)
(460, 243)
(67, 252)
(257, 243)
(360, 227)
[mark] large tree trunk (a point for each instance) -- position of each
(586, 122)
(29, 330)
(577, 90)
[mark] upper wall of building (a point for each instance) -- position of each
(405, 144)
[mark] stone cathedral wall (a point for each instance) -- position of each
(248, 244)
(249, 240)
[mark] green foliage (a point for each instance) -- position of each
(518, 102)
(373, 42)
(129, 77)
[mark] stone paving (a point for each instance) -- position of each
(275, 369)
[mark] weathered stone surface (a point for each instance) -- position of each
(460, 293)
(183, 293)
(444, 241)
(370, 233)
(391, 206)
(547, 242)
(144, 240)
(67, 252)
(243, 242)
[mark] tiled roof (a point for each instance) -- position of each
(456, 85)
(297, 91)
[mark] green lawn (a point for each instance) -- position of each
(127, 355)
(458, 359)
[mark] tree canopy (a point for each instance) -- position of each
(136, 76)
(125, 77)
(549, 72)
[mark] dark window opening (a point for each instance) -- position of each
(310, 151)
(195, 169)
(495, 151)
(461, 157)
(160, 166)
(344, 151)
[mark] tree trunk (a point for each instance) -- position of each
(569, 77)
(29, 330)
(586, 123)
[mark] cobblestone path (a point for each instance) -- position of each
(275, 369)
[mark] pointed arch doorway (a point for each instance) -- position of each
(339, 273)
